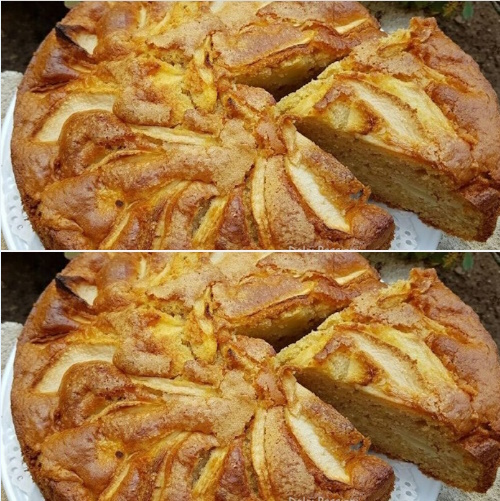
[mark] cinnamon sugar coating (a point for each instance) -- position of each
(143, 126)
(131, 381)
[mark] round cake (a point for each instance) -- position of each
(133, 380)
(144, 125)
(151, 125)
(154, 376)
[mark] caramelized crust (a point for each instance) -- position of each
(137, 374)
(413, 100)
(132, 382)
(416, 349)
(135, 128)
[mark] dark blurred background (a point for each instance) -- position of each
(25, 25)
(24, 277)
(476, 279)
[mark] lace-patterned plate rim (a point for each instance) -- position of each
(410, 234)
(16, 228)
(411, 484)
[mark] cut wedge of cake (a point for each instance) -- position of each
(412, 116)
(412, 367)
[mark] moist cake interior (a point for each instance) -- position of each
(412, 368)
(399, 181)
(400, 433)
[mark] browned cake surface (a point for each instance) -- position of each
(134, 129)
(132, 382)
(412, 106)
(415, 360)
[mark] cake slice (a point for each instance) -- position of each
(413, 117)
(412, 367)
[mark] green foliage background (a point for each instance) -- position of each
(444, 259)
(445, 8)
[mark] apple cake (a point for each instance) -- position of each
(412, 368)
(153, 376)
(131, 382)
(148, 125)
(413, 118)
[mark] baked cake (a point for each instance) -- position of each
(145, 125)
(130, 382)
(412, 368)
(413, 118)
(151, 375)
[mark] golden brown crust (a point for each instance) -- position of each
(417, 95)
(465, 347)
(131, 131)
(467, 98)
(417, 345)
(126, 382)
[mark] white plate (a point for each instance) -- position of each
(16, 228)
(411, 233)
(411, 485)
